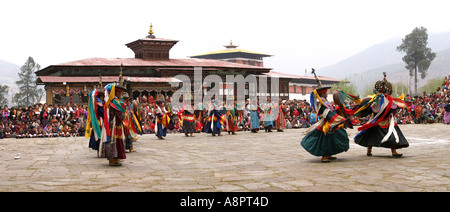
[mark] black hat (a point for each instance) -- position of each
(322, 88)
(120, 88)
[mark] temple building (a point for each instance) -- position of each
(232, 54)
(149, 73)
(240, 56)
(300, 87)
(291, 86)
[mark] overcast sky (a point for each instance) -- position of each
(299, 34)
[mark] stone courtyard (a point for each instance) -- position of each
(255, 162)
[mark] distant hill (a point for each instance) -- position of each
(383, 57)
(8, 69)
(397, 73)
(9, 76)
(380, 55)
(376, 56)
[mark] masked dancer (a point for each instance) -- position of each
(328, 136)
(114, 114)
(381, 129)
(94, 122)
(162, 118)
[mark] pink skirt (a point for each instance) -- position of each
(446, 117)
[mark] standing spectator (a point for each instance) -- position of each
(418, 113)
(424, 115)
(440, 113)
(447, 113)
(79, 114)
(5, 114)
(44, 116)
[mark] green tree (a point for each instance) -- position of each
(418, 56)
(3, 90)
(29, 92)
(432, 85)
(345, 86)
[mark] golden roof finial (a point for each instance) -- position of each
(151, 29)
(150, 32)
(231, 46)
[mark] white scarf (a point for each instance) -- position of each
(391, 130)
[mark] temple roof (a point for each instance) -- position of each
(232, 49)
(171, 64)
(94, 79)
(228, 51)
(156, 39)
(303, 79)
(97, 61)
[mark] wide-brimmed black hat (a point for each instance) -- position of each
(322, 88)
(120, 88)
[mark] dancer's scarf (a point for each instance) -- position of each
(92, 118)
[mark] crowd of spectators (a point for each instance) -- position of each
(43, 121)
(70, 120)
(427, 108)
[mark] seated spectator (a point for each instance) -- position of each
(65, 131)
(21, 133)
(48, 131)
(55, 130)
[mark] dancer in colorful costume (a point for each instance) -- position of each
(131, 122)
(162, 118)
(232, 118)
(94, 122)
(114, 114)
(215, 120)
(328, 136)
(381, 130)
(199, 116)
(188, 120)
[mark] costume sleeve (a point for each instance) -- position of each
(116, 113)
(216, 113)
(332, 120)
(100, 112)
(365, 107)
